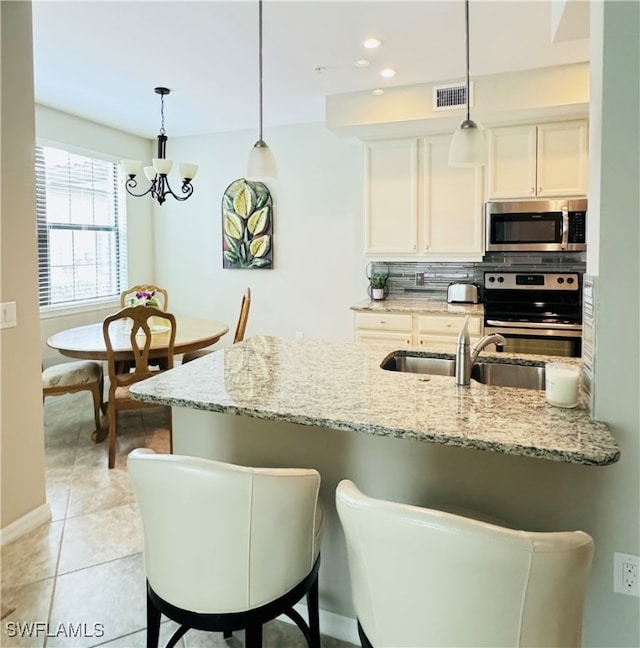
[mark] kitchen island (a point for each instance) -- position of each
(404, 437)
(342, 387)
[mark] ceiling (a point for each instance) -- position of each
(101, 60)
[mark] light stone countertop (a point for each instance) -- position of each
(341, 386)
(417, 305)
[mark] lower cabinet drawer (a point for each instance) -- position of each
(448, 324)
(442, 341)
(382, 337)
(385, 321)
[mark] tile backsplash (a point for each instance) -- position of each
(438, 275)
(588, 336)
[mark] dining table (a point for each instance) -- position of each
(87, 342)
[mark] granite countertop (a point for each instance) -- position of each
(417, 305)
(341, 386)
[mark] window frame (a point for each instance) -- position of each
(120, 227)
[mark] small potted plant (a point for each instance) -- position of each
(378, 283)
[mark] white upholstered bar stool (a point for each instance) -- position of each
(422, 577)
(227, 547)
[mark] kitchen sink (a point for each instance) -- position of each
(509, 375)
(420, 364)
(499, 374)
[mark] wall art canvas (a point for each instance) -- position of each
(247, 225)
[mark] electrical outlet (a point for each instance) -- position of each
(419, 278)
(299, 335)
(626, 574)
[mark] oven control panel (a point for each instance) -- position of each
(531, 281)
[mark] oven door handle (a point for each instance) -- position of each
(565, 228)
(535, 325)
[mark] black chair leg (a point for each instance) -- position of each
(153, 624)
(177, 635)
(364, 640)
(314, 619)
(253, 636)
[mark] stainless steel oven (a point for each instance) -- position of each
(536, 312)
(536, 225)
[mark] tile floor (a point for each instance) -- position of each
(83, 571)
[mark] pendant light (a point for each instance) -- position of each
(468, 146)
(262, 164)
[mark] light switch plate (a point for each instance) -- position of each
(8, 317)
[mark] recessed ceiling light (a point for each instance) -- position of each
(377, 92)
(362, 63)
(387, 73)
(372, 43)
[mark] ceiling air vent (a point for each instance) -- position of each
(450, 97)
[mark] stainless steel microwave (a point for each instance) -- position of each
(536, 225)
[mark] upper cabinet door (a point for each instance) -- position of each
(391, 196)
(452, 223)
(512, 162)
(538, 161)
(563, 159)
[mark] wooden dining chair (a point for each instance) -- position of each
(160, 293)
(134, 321)
(127, 295)
(241, 326)
(70, 377)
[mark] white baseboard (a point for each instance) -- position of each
(331, 624)
(25, 524)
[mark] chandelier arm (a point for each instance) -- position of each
(132, 183)
(187, 189)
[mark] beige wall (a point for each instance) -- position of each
(21, 438)
(319, 266)
(614, 198)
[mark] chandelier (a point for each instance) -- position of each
(161, 167)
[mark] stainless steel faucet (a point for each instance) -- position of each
(467, 357)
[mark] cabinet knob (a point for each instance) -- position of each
(383, 321)
(415, 247)
(533, 191)
(539, 189)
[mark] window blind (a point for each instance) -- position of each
(81, 215)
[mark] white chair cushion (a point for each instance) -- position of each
(71, 373)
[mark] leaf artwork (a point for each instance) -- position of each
(247, 225)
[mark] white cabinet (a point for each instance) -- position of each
(373, 328)
(544, 160)
(442, 330)
(416, 206)
(438, 330)
(452, 199)
(391, 196)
